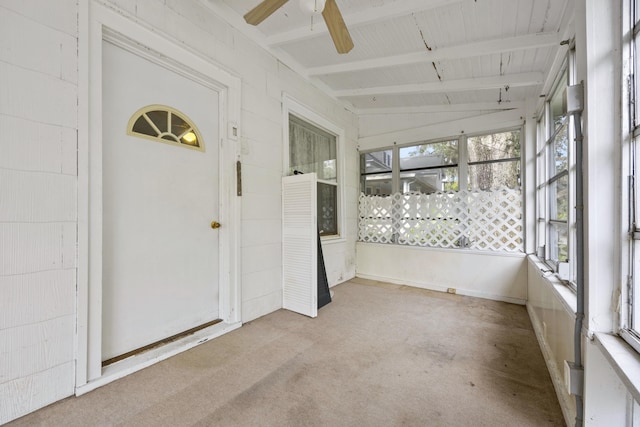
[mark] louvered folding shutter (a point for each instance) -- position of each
(299, 244)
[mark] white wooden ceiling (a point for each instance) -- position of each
(421, 55)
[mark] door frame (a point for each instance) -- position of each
(98, 22)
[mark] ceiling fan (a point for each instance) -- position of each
(331, 14)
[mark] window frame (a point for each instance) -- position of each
(290, 106)
(629, 328)
(547, 177)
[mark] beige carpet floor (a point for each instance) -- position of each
(378, 355)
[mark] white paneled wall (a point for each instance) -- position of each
(38, 178)
(484, 274)
(551, 307)
(38, 99)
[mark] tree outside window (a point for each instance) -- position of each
(494, 161)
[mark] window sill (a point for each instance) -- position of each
(562, 290)
(330, 240)
(624, 360)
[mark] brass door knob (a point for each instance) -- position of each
(215, 224)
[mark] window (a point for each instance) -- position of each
(423, 194)
(556, 181)
(431, 167)
(630, 319)
(165, 124)
(376, 172)
(313, 149)
(494, 161)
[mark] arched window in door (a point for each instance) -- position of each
(165, 124)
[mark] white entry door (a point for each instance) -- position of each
(160, 252)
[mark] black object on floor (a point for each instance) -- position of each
(324, 297)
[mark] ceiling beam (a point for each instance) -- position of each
(370, 15)
(482, 123)
(478, 83)
(442, 108)
(486, 47)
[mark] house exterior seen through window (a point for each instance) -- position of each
(376, 172)
(427, 168)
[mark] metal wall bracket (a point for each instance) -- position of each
(238, 178)
(575, 98)
(573, 378)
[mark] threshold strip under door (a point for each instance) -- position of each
(159, 343)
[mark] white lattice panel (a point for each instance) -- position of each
(482, 220)
(496, 220)
(375, 223)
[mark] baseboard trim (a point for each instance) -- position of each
(459, 291)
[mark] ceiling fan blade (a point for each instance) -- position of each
(336, 26)
(263, 11)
